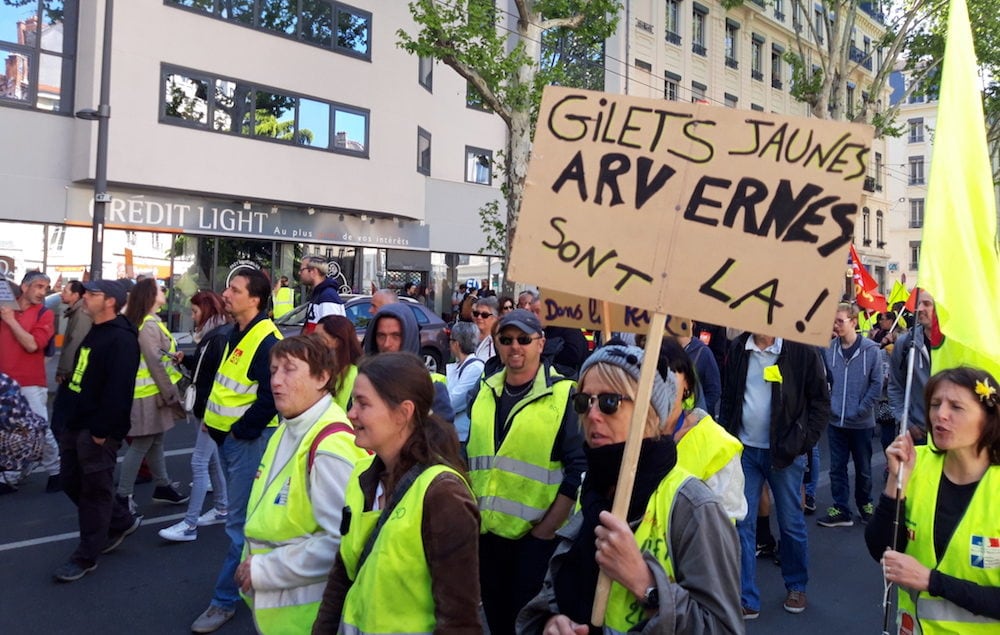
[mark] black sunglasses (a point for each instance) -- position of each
(482, 314)
(523, 340)
(607, 402)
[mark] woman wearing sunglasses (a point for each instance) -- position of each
(506, 305)
(683, 531)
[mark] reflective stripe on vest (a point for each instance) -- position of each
(652, 535)
(280, 514)
(395, 574)
(516, 484)
(145, 385)
(83, 358)
(969, 555)
(233, 392)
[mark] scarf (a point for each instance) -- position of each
(577, 578)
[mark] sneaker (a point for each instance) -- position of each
(750, 614)
(167, 494)
(866, 512)
(835, 517)
(54, 484)
(72, 570)
(128, 502)
(212, 517)
(114, 540)
(795, 601)
(181, 532)
(212, 619)
(809, 506)
(767, 549)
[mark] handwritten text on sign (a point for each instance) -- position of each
(727, 216)
(566, 309)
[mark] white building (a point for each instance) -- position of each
(236, 134)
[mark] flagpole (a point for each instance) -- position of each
(910, 357)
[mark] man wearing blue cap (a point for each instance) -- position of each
(526, 463)
(91, 412)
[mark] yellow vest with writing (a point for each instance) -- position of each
(516, 483)
(972, 554)
(144, 384)
(233, 392)
(652, 535)
(280, 513)
(392, 590)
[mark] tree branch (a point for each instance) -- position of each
(569, 23)
(473, 76)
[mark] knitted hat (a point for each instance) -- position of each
(629, 359)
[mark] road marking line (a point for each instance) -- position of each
(76, 534)
(166, 453)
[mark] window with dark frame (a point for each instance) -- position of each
(38, 46)
(732, 43)
(699, 15)
(203, 101)
(673, 22)
(423, 151)
(332, 25)
(425, 72)
(478, 165)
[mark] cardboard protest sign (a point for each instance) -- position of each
(7, 298)
(566, 309)
(729, 216)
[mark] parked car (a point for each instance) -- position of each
(434, 332)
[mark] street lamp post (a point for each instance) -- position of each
(101, 115)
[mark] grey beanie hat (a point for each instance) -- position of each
(629, 359)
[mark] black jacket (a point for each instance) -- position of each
(209, 351)
(106, 382)
(800, 403)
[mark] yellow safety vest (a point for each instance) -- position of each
(707, 448)
(145, 386)
(392, 591)
(280, 513)
(972, 554)
(284, 301)
(652, 535)
(233, 392)
(516, 484)
(343, 396)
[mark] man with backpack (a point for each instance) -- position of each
(25, 333)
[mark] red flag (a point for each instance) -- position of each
(865, 287)
(911, 302)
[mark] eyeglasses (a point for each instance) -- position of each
(523, 340)
(607, 402)
(304, 269)
(507, 307)
(482, 314)
(842, 320)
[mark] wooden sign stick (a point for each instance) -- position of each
(633, 444)
(605, 321)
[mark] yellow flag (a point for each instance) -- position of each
(959, 263)
(899, 293)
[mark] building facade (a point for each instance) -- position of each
(696, 50)
(258, 131)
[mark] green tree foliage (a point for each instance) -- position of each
(508, 58)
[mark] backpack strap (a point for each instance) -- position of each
(332, 428)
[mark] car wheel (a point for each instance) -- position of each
(432, 359)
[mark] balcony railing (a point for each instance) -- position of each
(732, 63)
(776, 83)
(914, 266)
(673, 38)
(869, 185)
(698, 49)
(916, 223)
(779, 16)
(758, 75)
(645, 26)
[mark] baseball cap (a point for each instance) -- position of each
(521, 319)
(110, 288)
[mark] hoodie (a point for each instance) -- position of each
(105, 377)
(410, 344)
(856, 383)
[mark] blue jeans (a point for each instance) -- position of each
(855, 443)
(813, 472)
(786, 486)
(205, 467)
(240, 460)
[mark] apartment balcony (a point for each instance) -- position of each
(732, 63)
(673, 38)
(699, 49)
